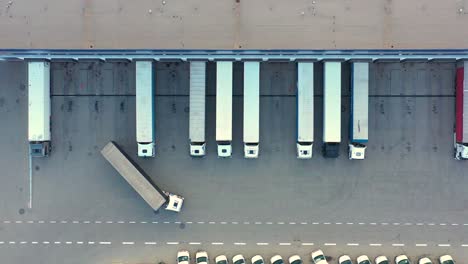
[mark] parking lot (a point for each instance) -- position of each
(408, 196)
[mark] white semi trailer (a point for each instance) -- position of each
(39, 108)
(359, 118)
(140, 181)
(197, 108)
(331, 108)
(145, 108)
(251, 109)
(305, 109)
(461, 115)
(224, 108)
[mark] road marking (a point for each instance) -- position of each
(121, 222)
(18, 222)
(330, 244)
(262, 244)
(442, 224)
(150, 243)
(280, 223)
(408, 224)
(246, 223)
(211, 223)
(132, 222)
(23, 242)
(234, 223)
(384, 223)
(303, 223)
(420, 224)
(57, 242)
(30, 222)
(74, 222)
(465, 224)
(68, 242)
(373, 223)
(45, 242)
(2, 242)
(172, 243)
(6, 222)
(128, 243)
(87, 222)
(353, 244)
(315, 223)
(34, 242)
(464, 245)
(443, 245)
(350, 223)
(396, 224)
(177, 223)
(223, 223)
(52, 222)
(375, 245)
(109, 222)
(326, 223)
(258, 223)
(166, 222)
(454, 224)
(195, 243)
(292, 223)
(200, 223)
(105, 243)
(421, 245)
(431, 224)
(284, 244)
(80, 242)
(63, 222)
(11, 242)
(398, 245)
(362, 223)
(307, 244)
(91, 242)
(239, 244)
(217, 243)
(188, 222)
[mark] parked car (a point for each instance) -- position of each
(238, 259)
(295, 259)
(276, 259)
(345, 259)
(221, 259)
(318, 257)
(363, 259)
(402, 259)
(183, 257)
(201, 257)
(257, 259)
(381, 260)
(446, 259)
(424, 261)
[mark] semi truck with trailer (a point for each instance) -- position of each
(251, 109)
(140, 181)
(39, 108)
(358, 134)
(331, 108)
(305, 109)
(461, 113)
(224, 108)
(197, 108)
(145, 108)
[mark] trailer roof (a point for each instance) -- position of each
(39, 101)
(144, 101)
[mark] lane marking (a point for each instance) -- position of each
(2, 242)
(63, 222)
(443, 245)
(398, 245)
(329, 244)
(258, 223)
(91, 242)
(375, 245)
(421, 245)
(188, 222)
(74, 222)
(150, 243)
(239, 244)
(87, 222)
(350, 223)
(234, 223)
(464, 245)
(280, 223)
(292, 223)
(326, 223)
(23, 242)
(34, 242)
(223, 223)
(420, 224)
(166, 222)
(315, 223)
(18, 222)
(217, 243)
(353, 244)
(262, 244)
(246, 223)
(45, 242)
(67, 242)
(200, 223)
(109, 222)
(211, 223)
(362, 223)
(121, 222)
(443, 224)
(284, 244)
(11, 242)
(6, 222)
(307, 244)
(455, 224)
(303, 223)
(57, 242)
(80, 242)
(396, 224)
(128, 243)
(132, 222)
(195, 243)
(105, 242)
(384, 224)
(30, 222)
(177, 223)
(52, 222)
(373, 223)
(172, 243)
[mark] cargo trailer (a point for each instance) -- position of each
(461, 115)
(331, 108)
(145, 108)
(359, 117)
(251, 109)
(39, 108)
(140, 181)
(197, 108)
(305, 109)
(224, 108)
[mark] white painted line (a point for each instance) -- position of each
(166, 222)
(2, 242)
(23, 242)
(57, 242)
(91, 242)
(200, 223)
(195, 243)
(372, 223)
(420, 224)
(443, 224)
(384, 224)
(303, 223)
(421, 245)
(375, 245)
(234, 223)
(280, 223)
(431, 224)
(464, 245)
(132, 222)
(353, 244)
(258, 223)
(41, 222)
(284, 244)
(350, 223)
(454, 224)
(223, 223)
(398, 245)
(63, 222)
(315, 223)
(52, 222)
(246, 223)
(6, 222)
(150, 243)
(121, 222)
(239, 244)
(326, 223)
(307, 244)
(329, 244)
(443, 245)
(30, 222)
(217, 243)
(292, 223)
(87, 222)
(362, 223)
(80, 242)
(172, 243)
(189, 222)
(11, 242)
(178, 223)
(18, 222)
(465, 224)
(105, 243)
(262, 244)
(128, 243)
(396, 224)
(109, 222)
(76, 222)
(45, 242)
(34, 242)
(68, 242)
(211, 223)
(338, 223)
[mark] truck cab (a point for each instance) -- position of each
(39, 149)
(251, 150)
(224, 150)
(197, 149)
(357, 151)
(304, 150)
(146, 150)
(174, 202)
(461, 151)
